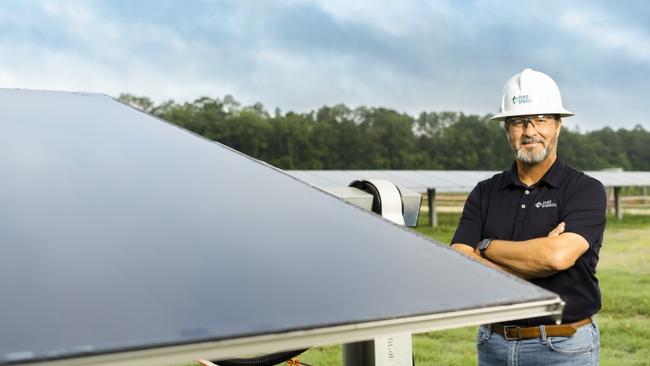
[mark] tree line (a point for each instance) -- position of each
(338, 137)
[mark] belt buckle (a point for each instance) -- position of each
(505, 332)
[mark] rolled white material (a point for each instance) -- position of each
(391, 200)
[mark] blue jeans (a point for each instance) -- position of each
(579, 349)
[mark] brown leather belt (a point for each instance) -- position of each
(514, 332)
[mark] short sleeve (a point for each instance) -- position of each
(584, 211)
(470, 226)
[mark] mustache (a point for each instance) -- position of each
(528, 140)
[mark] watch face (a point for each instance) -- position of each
(482, 246)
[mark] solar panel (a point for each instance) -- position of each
(448, 180)
(127, 240)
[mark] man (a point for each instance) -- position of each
(542, 221)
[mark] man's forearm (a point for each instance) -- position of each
(512, 271)
(467, 250)
(539, 257)
(528, 257)
(534, 258)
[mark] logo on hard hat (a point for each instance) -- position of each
(520, 99)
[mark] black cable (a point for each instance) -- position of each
(265, 360)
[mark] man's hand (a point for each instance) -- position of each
(559, 229)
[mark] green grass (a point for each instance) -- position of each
(624, 274)
(625, 283)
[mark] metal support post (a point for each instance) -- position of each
(359, 353)
(431, 199)
(385, 350)
(617, 199)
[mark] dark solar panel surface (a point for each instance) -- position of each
(120, 231)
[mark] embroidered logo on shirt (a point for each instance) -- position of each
(545, 204)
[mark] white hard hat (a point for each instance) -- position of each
(531, 92)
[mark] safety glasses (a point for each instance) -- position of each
(520, 123)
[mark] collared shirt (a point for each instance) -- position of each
(502, 207)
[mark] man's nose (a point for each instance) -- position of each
(529, 129)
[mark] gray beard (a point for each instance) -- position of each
(532, 157)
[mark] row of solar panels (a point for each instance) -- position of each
(446, 180)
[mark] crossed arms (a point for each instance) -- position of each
(534, 258)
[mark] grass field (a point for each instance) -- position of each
(624, 274)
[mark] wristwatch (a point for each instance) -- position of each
(483, 245)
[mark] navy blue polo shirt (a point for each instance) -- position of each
(502, 207)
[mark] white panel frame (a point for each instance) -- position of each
(268, 343)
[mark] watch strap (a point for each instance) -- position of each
(483, 245)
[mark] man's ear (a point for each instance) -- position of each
(507, 136)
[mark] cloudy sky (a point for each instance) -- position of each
(298, 55)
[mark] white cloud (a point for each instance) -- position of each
(62, 71)
(103, 55)
(396, 18)
(597, 28)
(411, 56)
(304, 81)
(5, 78)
